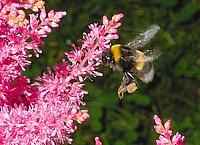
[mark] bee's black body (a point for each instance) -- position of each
(127, 64)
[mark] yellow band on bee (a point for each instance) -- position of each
(140, 63)
(115, 49)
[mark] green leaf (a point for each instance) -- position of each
(142, 100)
(120, 142)
(132, 136)
(130, 121)
(95, 112)
(96, 126)
(185, 13)
(165, 3)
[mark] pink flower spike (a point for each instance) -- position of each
(163, 141)
(82, 115)
(53, 24)
(44, 112)
(97, 141)
(105, 20)
(117, 17)
(166, 133)
(51, 14)
(33, 21)
(43, 14)
(167, 124)
(111, 37)
(157, 119)
(47, 29)
(177, 139)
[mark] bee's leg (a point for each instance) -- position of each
(122, 87)
(121, 91)
(129, 77)
(128, 84)
(125, 78)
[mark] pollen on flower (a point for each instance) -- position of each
(12, 18)
(36, 5)
(81, 116)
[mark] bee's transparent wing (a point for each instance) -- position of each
(144, 37)
(152, 54)
(149, 55)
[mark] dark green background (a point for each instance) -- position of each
(174, 93)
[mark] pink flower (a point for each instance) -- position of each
(66, 84)
(178, 139)
(166, 133)
(165, 130)
(44, 112)
(97, 141)
(15, 31)
(36, 125)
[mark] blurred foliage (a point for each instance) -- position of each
(174, 93)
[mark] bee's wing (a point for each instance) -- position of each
(148, 56)
(152, 54)
(144, 37)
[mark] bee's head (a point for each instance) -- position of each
(107, 58)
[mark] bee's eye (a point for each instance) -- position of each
(106, 58)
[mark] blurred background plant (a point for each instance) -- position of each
(174, 93)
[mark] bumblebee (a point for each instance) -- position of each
(133, 62)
